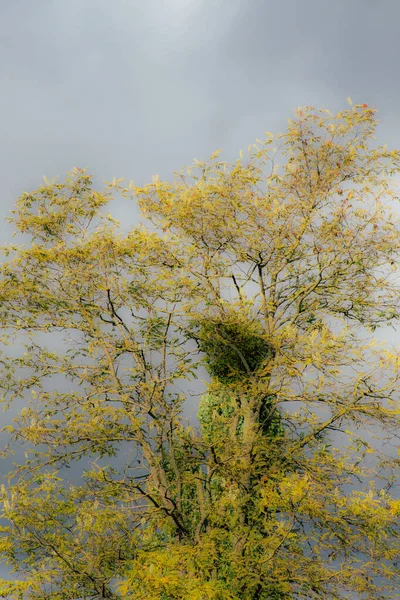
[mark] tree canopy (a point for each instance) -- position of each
(273, 272)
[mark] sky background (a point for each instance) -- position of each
(132, 88)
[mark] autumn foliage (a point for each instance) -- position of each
(272, 272)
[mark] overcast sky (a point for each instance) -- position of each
(132, 88)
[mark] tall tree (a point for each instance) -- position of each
(273, 272)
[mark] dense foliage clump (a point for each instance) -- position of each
(233, 349)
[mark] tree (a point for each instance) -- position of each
(273, 272)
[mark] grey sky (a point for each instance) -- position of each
(130, 88)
